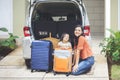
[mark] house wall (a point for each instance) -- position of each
(18, 17)
(114, 15)
(119, 15)
(6, 17)
(95, 10)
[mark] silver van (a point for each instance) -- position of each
(55, 17)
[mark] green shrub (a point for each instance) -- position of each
(9, 42)
(111, 46)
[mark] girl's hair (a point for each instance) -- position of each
(76, 37)
(63, 35)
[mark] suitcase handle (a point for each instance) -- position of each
(50, 34)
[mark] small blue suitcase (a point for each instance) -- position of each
(41, 55)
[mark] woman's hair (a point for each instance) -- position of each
(76, 37)
(63, 35)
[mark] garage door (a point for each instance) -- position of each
(95, 9)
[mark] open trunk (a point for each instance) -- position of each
(55, 18)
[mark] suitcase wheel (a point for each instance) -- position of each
(68, 74)
(32, 70)
(46, 71)
(54, 73)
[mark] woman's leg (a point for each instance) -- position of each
(84, 66)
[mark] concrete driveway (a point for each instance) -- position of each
(12, 67)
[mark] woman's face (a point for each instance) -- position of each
(78, 31)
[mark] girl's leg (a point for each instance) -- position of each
(84, 66)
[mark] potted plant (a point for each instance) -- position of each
(8, 44)
(111, 47)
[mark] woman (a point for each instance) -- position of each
(83, 59)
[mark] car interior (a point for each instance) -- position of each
(55, 18)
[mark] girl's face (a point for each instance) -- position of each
(65, 38)
(78, 31)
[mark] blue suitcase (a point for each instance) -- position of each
(41, 55)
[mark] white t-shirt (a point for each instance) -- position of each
(65, 45)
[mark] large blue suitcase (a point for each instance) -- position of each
(41, 55)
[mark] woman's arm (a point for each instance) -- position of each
(74, 57)
(77, 57)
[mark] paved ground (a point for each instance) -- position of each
(12, 67)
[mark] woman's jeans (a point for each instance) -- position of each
(84, 65)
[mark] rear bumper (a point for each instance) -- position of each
(27, 47)
(89, 39)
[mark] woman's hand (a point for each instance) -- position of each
(75, 67)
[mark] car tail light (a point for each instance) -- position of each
(87, 30)
(26, 31)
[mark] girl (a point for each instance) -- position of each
(83, 59)
(64, 42)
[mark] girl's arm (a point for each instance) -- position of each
(69, 46)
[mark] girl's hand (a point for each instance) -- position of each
(75, 67)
